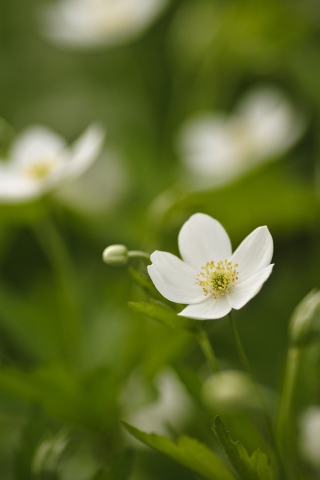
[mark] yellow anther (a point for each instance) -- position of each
(40, 169)
(217, 278)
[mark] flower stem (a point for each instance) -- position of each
(284, 426)
(139, 254)
(242, 354)
(246, 365)
(54, 247)
(207, 349)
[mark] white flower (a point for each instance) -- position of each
(210, 279)
(310, 435)
(264, 126)
(170, 410)
(40, 160)
(81, 23)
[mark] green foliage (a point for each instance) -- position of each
(254, 467)
(165, 315)
(144, 281)
(187, 451)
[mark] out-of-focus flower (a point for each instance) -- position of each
(101, 188)
(169, 410)
(87, 23)
(221, 147)
(210, 278)
(310, 435)
(304, 327)
(39, 160)
(230, 391)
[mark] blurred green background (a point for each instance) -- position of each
(74, 358)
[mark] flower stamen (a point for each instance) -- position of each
(40, 169)
(217, 278)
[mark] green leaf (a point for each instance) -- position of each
(144, 282)
(187, 451)
(256, 467)
(165, 315)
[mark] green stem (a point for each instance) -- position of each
(62, 267)
(247, 367)
(207, 349)
(242, 354)
(284, 427)
(139, 254)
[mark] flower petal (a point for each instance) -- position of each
(85, 150)
(17, 188)
(210, 309)
(253, 254)
(203, 239)
(243, 292)
(174, 279)
(34, 143)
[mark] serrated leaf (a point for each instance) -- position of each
(188, 452)
(256, 467)
(165, 315)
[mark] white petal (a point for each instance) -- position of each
(207, 148)
(253, 254)
(85, 150)
(16, 188)
(96, 22)
(174, 279)
(35, 143)
(242, 293)
(210, 309)
(203, 239)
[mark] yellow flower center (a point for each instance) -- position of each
(41, 169)
(217, 278)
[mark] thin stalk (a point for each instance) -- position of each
(139, 254)
(242, 354)
(62, 267)
(207, 350)
(284, 425)
(247, 367)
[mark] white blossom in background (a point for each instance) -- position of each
(101, 188)
(221, 147)
(169, 411)
(90, 23)
(310, 435)
(39, 161)
(233, 390)
(210, 278)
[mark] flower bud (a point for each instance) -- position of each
(309, 441)
(304, 326)
(115, 255)
(230, 391)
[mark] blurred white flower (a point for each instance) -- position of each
(101, 188)
(221, 147)
(86, 23)
(170, 410)
(210, 278)
(310, 435)
(39, 160)
(233, 390)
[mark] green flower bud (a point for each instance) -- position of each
(115, 255)
(232, 390)
(304, 326)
